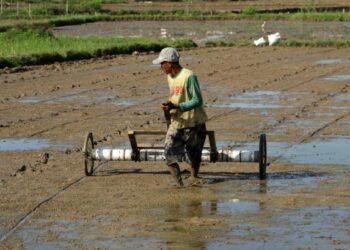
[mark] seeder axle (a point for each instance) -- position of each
(139, 152)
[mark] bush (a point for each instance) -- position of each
(249, 11)
(26, 33)
(92, 6)
(6, 63)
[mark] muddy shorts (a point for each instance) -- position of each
(184, 144)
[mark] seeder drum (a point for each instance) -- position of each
(139, 152)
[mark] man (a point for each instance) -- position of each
(187, 130)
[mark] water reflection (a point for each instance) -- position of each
(263, 186)
(332, 150)
(22, 144)
(343, 97)
(191, 223)
(180, 222)
(332, 61)
(327, 151)
(232, 206)
(338, 78)
(261, 100)
(83, 97)
(188, 221)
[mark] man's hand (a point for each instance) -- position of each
(169, 106)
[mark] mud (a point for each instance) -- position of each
(213, 30)
(283, 92)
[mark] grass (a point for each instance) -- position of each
(56, 16)
(31, 43)
(39, 46)
(27, 46)
(61, 20)
(55, 21)
(303, 43)
(248, 13)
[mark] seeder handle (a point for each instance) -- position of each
(167, 118)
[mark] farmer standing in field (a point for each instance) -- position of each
(187, 130)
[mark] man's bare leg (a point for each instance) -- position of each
(195, 170)
(194, 179)
(175, 172)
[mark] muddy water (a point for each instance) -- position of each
(261, 100)
(332, 61)
(288, 228)
(319, 151)
(82, 97)
(247, 224)
(22, 144)
(322, 151)
(282, 92)
(203, 31)
(338, 78)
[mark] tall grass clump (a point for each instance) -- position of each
(91, 6)
(315, 43)
(249, 11)
(38, 46)
(115, 1)
(320, 16)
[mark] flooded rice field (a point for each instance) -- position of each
(226, 6)
(298, 97)
(204, 31)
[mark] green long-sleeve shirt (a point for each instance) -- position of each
(195, 95)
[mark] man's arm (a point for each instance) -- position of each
(195, 94)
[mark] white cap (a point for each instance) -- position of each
(167, 55)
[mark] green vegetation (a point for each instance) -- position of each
(28, 46)
(39, 9)
(114, 1)
(25, 39)
(232, 43)
(303, 43)
(154, 15)
(38, 46)
(320, 16)
(249, 11)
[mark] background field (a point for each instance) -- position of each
(297, 96)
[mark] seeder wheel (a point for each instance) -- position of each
(87, 150)
(262, 157)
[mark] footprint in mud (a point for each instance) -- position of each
(2, 183)
(43, 160)
(21, 169)
(202, 221)
(55, 88)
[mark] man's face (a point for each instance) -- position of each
(166, 67)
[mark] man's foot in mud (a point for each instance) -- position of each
(186, 171)
(194, 181)
(178, 184)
